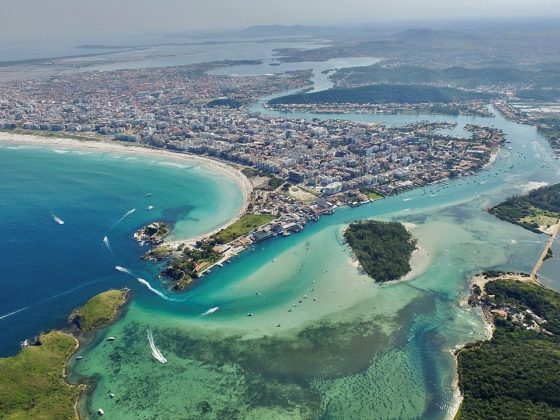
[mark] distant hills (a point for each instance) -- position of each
(285, 31)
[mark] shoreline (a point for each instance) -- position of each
(53, 353)
(102, 146)
(479, 280)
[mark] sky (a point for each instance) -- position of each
(40, 19)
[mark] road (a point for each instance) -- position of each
(540, 261)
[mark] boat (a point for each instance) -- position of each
(111, 338)
(100, 412)
(250, 314)
(149, 195)
(211, 310)
(79, 357)
(58, 219)
(149, 208)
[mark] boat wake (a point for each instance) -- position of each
(210, 311)
(124, 270)
(66, 292)
(128, 213)
(106, 242)
(14, 312)
(155, 351)
(154, 290)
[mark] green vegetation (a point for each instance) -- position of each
(517, 373)
(383, 248)
(230, 103)
(371, 193)
(550, 129)
(456, 76)
(243, 226)
(539, 207)
(31, 382)
(273, 181)
(411, 94)
(100, 310)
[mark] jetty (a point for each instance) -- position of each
(547, 248)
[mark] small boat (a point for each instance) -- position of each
(79, 357)
(58, 219)
(211, 310)
(149, 195)
(111, 338)
(150, 208)
(112, 395)
(250, 314)
(100, 412)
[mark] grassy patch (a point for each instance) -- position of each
(243, 226)
(31, 382)
(371, 194)
(100, 310)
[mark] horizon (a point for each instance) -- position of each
(59, 19)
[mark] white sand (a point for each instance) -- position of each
(110, 146)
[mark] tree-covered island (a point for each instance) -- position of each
(383, 249)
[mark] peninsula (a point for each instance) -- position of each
(32, 383)
(514, 374)
(537, 211)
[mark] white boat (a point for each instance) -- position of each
(149, 195)
(57, 219)
(149, 208)
(211, 311)
(111, 338)
(100, 412)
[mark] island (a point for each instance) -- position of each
(537, 211)
(383, 249)
(152, 233)
(32, 383)
(516, 374)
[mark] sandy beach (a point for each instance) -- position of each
(102, 146)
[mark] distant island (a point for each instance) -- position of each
(32, 383)
(384, 93)
(516, 374)
(536, 211)
(383, 249)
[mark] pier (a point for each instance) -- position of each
(540, 261)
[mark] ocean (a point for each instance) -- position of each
(50, 269)
(324, 341)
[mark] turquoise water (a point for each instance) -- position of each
(325, 341)
(50, 269)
